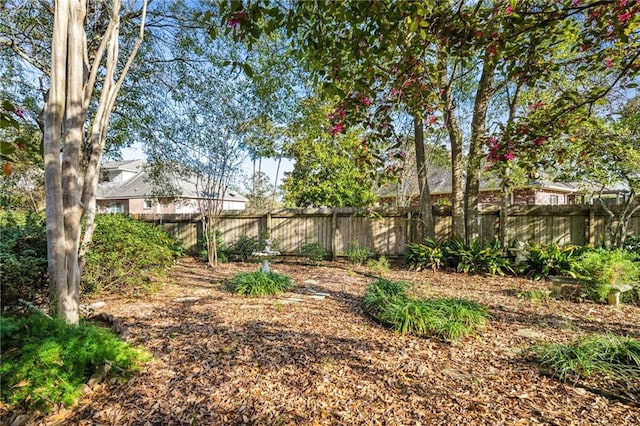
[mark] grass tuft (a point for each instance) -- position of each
(450, 319)
(259, 283)
(614, 357)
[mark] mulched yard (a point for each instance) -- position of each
(224, 359)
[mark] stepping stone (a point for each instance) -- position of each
(310, 282)
(251, 306)
(531, 334)
(317, 296)
(289, 300)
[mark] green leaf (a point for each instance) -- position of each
(7, 148)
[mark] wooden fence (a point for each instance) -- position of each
(387, 231)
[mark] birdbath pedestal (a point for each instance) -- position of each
(266, 255)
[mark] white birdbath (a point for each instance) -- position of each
(266, 255)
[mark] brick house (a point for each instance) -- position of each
(125, 187)
(533, 193)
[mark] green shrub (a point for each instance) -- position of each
(552, 260)
(243, 248)
(314, 252)
(611, 356)
(379, 265)
(23, 259)
(602, 268)
(46, 362)
(632, 243)
(477, 257)
(357, 254)
(427, 255)
(259, 283)
(123, 251)
(388, 302)
(221, 248)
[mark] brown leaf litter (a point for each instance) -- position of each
(222, 359)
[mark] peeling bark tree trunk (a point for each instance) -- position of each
(455, 139)
(62, 301)
(65, 183)
(428, 224)
(478, 135)
(616, 235)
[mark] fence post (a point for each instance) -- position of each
(592, 226)
(334, 232)
(268, 228)
(408, 225)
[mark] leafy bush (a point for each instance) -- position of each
(259, 283)
(314, 252)
(388, 302)
(552, 260)
(23, 259)
(243, 248)
(358, 254)
(611, 356)
(426, 255)
(123, 250)
(602, 268)
(46, 362)
(632, 243)
(221, 248)
(477, 257)
(379, 265)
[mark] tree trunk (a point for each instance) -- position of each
(478, 135)
(455, 139)
(428, 225)
(100, 123)
(68, 189)
(61, 302)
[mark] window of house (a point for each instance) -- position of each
(553, 200)
(115, 207)
(147, 204)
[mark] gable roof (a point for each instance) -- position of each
(141, 186)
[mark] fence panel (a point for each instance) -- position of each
(387, 231)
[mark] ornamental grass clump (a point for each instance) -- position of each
(46, 362)
(614, 357)
(450, 319)
(259, 283)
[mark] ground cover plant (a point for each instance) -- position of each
(389, 303)
(46, 362)
(259, 283)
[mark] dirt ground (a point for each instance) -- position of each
(222, 359)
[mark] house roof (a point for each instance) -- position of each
(141, 186)
(127, 165)
(440, 183)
